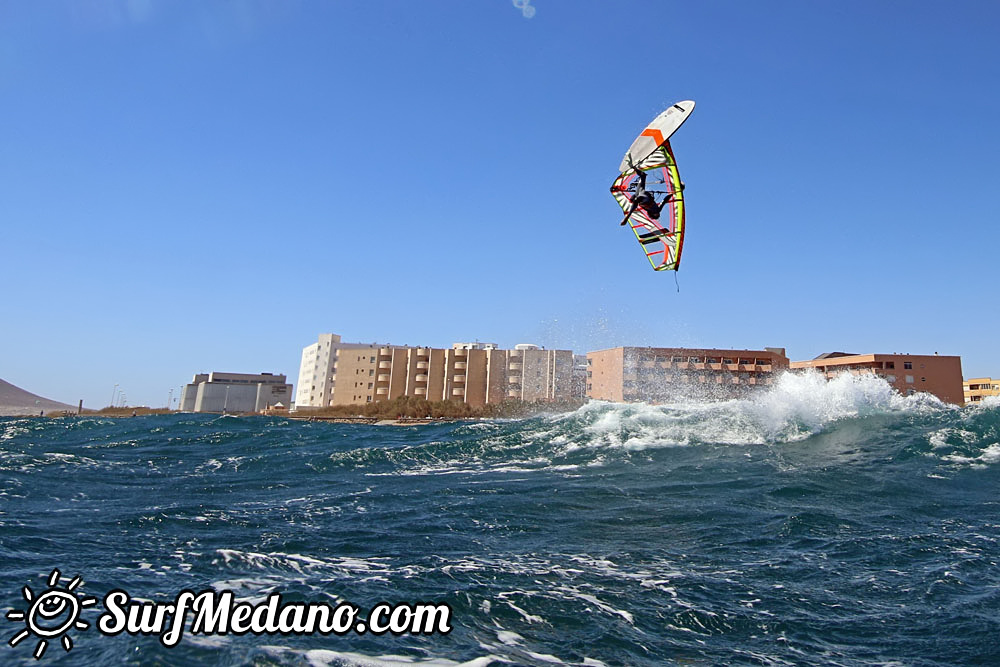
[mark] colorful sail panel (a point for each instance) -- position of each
(661, 240)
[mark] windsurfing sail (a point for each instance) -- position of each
(660, 237)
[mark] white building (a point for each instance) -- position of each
(235, 392)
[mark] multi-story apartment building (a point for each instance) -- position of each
(534, 374)
(667, 373)
(907, 373)
(475, 373)
(323, 361)
(235, 392)
(976, 389)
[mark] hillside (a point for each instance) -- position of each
(15, 401)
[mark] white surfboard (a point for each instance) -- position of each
(656, 133)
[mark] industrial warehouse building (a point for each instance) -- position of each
(235, 392)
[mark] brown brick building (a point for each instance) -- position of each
(907, 373)
(666, 373)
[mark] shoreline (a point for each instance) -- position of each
(126, 413)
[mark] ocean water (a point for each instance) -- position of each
(818, 523)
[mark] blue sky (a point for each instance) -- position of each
(189, 186)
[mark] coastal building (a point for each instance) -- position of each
(907, 373)
(667, 373)
(235, 392)
(319, 368)
(976, 389)
(474, 373)
(579, 376)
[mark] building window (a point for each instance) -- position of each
(908, 365)
(923, 379)
(890, 365)
(909, 379)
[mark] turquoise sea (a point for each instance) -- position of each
(828, 524)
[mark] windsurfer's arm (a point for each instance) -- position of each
(628, 213)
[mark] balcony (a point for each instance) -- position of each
(420, 391)
(422, 365)
(382, 391)
(460, 379)
(422, 351)
(385, 364)
(514, 367)
(384, 377)
(514, 380)
(460, 365)
(458, 391)
(421, 378)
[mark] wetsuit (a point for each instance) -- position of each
(644, 200)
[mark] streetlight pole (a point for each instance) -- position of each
(114, 392)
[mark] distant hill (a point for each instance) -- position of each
(15, 401)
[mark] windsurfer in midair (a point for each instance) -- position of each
(644, 199)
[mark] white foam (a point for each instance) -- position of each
(328, 658)
(988, 456)
(797, 406)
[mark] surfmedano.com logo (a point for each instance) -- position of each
(51, 615)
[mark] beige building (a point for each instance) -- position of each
(235, 392)
(474, 373)
(667, 373)
(907, 373)
(976, 389)
(327, 358)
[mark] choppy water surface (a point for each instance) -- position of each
(815, 524)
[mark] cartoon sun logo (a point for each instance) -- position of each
(51, 614)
